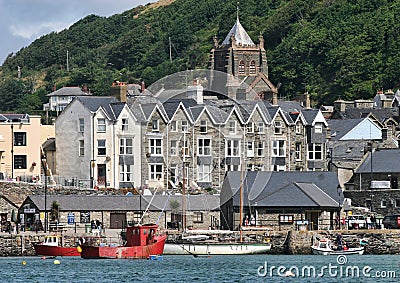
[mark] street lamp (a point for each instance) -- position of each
(339, 191)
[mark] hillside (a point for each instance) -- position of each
(331, 48)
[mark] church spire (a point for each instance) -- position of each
(239, 33)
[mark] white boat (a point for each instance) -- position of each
(215, 243)
(326, 247)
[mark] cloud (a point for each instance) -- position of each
(22, 21)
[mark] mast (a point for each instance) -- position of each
(184, 185)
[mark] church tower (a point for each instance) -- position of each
(240, 57)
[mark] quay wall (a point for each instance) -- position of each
(283, 242)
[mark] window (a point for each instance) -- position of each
(81, 125)
(184, 126)
(297, 153)
(125, 126)
(173, 126)
(278, 148)
(397, 203)
(315, 151)
(250, 149)
(81, 148)
(156, 171)
(286, 219)
(101, 147)
(258, 167)
(19, 161)
(278, 127)
(299, 128)
(174, 149)
(233, 148)
(185, 147)
(197, 217)
(125, 173)
(203, 173)
(278, 168)
(19, 139)
(232, 127)
(155, 146)
(154, 126)
(383, 203)
(241, 68)
(203, 127)
(252, 68)
(204, 147)
(250, 127)
(318, 128)
(260, 149)
(101, 125)
(173, 169)
(126, 146)
(260, 127)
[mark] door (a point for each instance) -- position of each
(101, 175)
(117, 220)
(312, 217)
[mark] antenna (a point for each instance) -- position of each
(170, 49)
(237, 10)
(67, 62)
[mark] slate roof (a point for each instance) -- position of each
(310, 115)
(240, 35)
(383, 161)
(382, 114)
(280, 189)
(49, 144)
(68, 91)
(13, 117)
(125, 203)
(340, 128)
(93, 103)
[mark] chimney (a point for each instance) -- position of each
(54, 88)
(261, 41)
(143, 87)
(195, 92)
(275, 99)
(308, 102)
(84, 88)
(119, 90)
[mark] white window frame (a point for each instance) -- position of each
(278, 148)
(81, 125)
(278, 168)
(124, 147)
(155, 127)
(312, 151)
(203, 126)
(174, 148)
(260, 127)
(156, 172)
(383, 203)
(100, 146)
(250, 148)
(232, 127)
(125, 124)
(250, 128)
(185, 147)
(155, 147)
(174, 127)
(125, 173)
(299, 128)
(184, 126)
(260, 148)
(233, 148)
(318, 128)
(278, 127)
(101, 125)
(81, 147)
(204, 149)
(203, 173)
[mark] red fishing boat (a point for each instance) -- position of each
(140, 242)
(52, 246)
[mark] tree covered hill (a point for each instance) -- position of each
(331, 48)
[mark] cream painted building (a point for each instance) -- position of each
(21, 137)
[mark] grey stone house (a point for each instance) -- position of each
(281, 199)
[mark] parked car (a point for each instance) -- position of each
(391, 221)
(356, 221)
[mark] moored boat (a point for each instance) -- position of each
(52, 246)
(140, 242)
(326, 247)
(216, 243)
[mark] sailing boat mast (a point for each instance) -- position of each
(184, 184)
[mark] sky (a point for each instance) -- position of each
(23, 21)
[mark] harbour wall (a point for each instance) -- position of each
(283, 242)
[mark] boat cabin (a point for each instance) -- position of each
(51, 240)
(140, 235)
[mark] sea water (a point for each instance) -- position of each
(253, 268)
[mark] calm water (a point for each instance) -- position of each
(190, 269)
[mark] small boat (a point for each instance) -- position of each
(326, 247)
(52, 246)
(215, 242)
(139, 242)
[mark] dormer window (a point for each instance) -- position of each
(124, 126)
(318, 128)
(232, 127)
(173, 126)
(154, 126)
(278, 127)
(260, 127)
(203, 126)
(298, 128)
(250, 127)
(184, 126)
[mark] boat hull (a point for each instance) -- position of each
(123, 252)
(45, 250)
(215, 249)
(350, 251)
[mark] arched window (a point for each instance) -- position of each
(252, 68)
(241, 67)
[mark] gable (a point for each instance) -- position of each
(366, 130)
